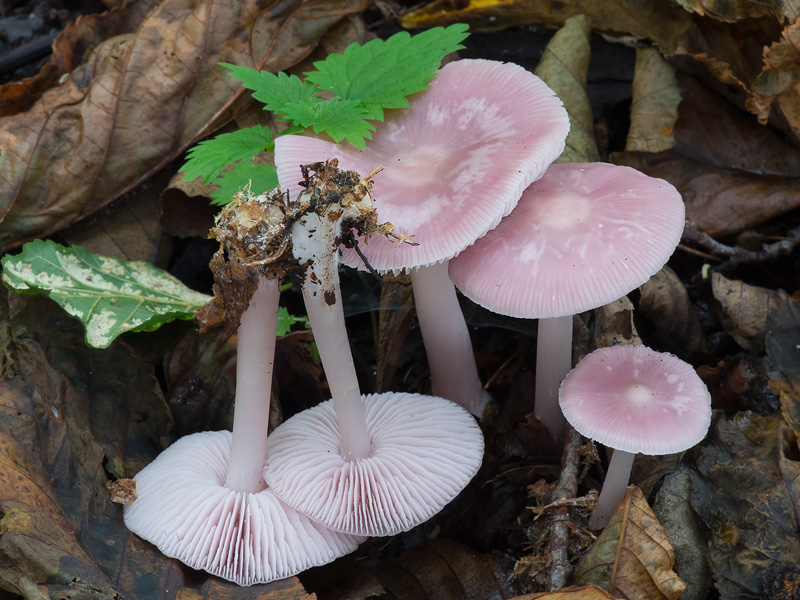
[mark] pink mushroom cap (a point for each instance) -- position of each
(184, 508)
(454, 163)
(583, 235)
(424, 451)
(634, 399)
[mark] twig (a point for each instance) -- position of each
(769, 252)
(560, 568)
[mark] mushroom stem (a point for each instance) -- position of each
(553, 362)
(315, 241)
(255, 358)
(619, 472)
(454, 374)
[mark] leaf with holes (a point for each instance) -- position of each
(109, 296)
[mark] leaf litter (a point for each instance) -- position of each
(734, 314)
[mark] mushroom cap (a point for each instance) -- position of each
(425, 450)
(454, 163)
(583, 235)
(635, 399)
(185, 510)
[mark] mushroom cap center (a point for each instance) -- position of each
(562, 211)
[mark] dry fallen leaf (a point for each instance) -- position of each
(138, 101)
(746, 490)
(734, 10)
(576, 592)
(632, 558)
(654, 108)
(748, 309)
(564, 67)
(665, 303)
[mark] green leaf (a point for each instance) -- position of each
(343, 120)
(286, 320)
(260, 177)
(381, 74)
(109, 296)
(210, 157)
(279, 93)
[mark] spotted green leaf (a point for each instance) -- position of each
(109, 296)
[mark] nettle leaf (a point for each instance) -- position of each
(381, 74)
(343, 120)
(278, 92)
(259, 177)
(209, 158)
(109, 296)
(286, 320)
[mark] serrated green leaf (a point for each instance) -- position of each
(210, 157)
(109, 296)
(260, 177)
(343, 120)
(278, 92)
(286, 320)
(381, 74)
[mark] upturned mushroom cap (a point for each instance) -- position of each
(583, 235)
(424, 451)
(635, 399)
(185, 510)
(454, 163)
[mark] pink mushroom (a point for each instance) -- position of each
(634, 399)
(583, 235)
(454, 163)
(375, 464)
(423, 451)
(204, 500)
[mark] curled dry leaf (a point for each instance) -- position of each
(754, 530)
(564, 66)
(614, 324)
(632, 558)
(654, 108)
(777, 88)
(138, 101)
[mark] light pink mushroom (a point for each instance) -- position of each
(204, 500)
(634, 399)
(424, 450)
(583, 235)
(454, 163)
(377, 464)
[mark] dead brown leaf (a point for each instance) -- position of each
(632, 558)
(654, 108)
(564, 67)
(138, 100)
(734, 10)
(748, 309)
(443, 569)
(575, 592)
(746, 490)
(614, 324)
(665, 302)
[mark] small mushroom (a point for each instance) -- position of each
(634, 399)
(454, 163)
(583, 235)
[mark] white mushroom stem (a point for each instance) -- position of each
(619, 472)
(314, 239)
(255, 358)
(553, 362)
(454, 374)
